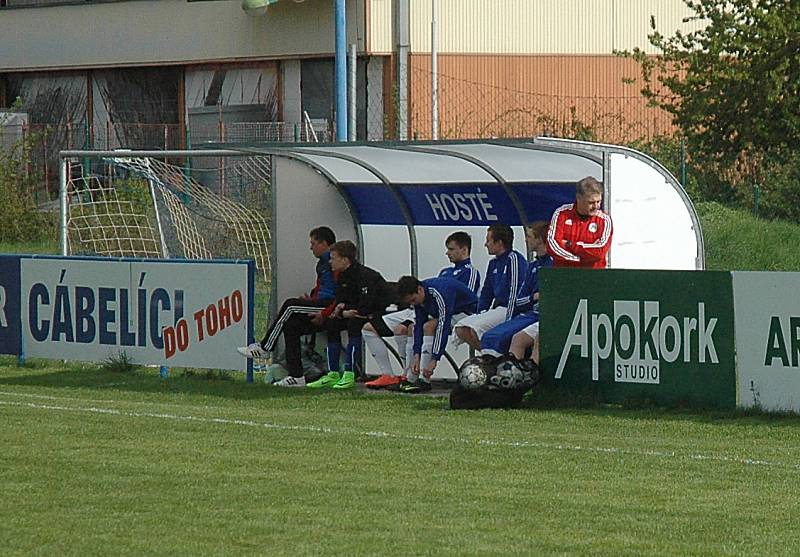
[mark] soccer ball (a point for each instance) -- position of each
(508, 376)
(472, 375)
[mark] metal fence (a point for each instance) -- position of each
(45, 141)
(469, 109)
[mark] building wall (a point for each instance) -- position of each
(542, 26)
(380, 14)
(157, 32)
(507, 67)
(516, 68)
(524, 96)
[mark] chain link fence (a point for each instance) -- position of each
(467, 110)
(47, 140)
(470, 109)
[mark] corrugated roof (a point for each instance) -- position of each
(400, 166)
(448, 163)
(526, 163)
(341, 170)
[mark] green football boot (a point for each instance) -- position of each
(348, 381)
(330, 379)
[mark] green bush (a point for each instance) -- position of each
(779, 191)
(775, 194)
(19, 218)
(137, 192)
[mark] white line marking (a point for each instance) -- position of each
(410, 437)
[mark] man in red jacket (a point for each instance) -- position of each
(580, 232)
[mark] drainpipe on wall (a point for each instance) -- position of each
(402, 34)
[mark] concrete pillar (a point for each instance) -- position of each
(292, 96)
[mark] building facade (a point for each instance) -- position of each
(176, 73)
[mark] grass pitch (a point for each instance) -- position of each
(98, 462)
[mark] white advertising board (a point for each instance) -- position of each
(767, 321)
(171, 313)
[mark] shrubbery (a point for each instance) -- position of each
(738, 241)
(775, 194)
(19, 218)
(731, 85)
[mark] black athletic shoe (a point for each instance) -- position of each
(415, 388)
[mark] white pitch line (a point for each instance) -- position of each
(105, 400)
(409, 437)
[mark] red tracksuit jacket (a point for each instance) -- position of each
(576, 241)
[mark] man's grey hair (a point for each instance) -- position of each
(589, 185)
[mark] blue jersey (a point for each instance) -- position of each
(526, 301)
(325, 289)
(464, 272)
(444, 298)
(504, 278)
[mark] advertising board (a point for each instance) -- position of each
(665, 336)
(171, 313)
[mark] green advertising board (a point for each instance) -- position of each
(664, 336)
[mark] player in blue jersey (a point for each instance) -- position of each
(497, 340)
(295, 316)
(436, 302)
(501, 286)
(459, 247)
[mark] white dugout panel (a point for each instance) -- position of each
(387, 249)
(431, 248)
(652, 229)
(303, 199)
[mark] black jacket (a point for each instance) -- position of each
(363, 289)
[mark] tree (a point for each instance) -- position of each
(732, 86)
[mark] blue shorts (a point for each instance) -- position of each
(498, 339)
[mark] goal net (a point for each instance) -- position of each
(194, 208)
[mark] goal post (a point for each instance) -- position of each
(180, 204)
(192, 204)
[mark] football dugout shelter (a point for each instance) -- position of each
(399, 201)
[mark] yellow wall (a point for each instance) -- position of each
(529, 26)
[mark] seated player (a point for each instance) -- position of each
(497, 340)
(361, 297)
(295, 317)
(504, 278)
(459, 246)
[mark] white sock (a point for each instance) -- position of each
(402, 347)
(378, 351)
(425, 357)
(409, 354)
(410, 376)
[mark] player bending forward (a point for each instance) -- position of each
(437, 302)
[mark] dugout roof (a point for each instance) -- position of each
(399, 201)
(448, 163)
